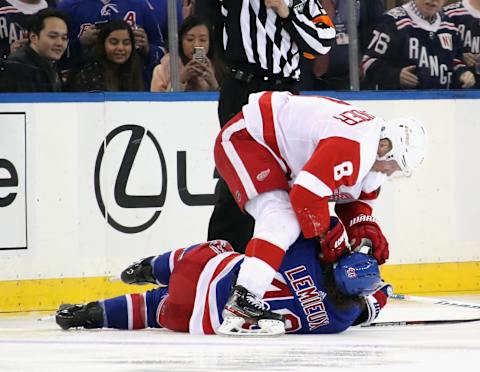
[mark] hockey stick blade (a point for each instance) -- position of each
(436, 301)
(420, 322)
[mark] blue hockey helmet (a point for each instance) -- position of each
(357, 274)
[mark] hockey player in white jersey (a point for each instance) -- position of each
(284, 157)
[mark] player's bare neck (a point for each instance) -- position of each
(475, 4)
(417, 11)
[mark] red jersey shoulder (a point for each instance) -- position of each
(336, 162)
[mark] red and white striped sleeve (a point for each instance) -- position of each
(335, 162)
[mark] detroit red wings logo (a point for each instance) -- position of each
(262, 175)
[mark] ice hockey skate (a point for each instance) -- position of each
(86, 316)
(246, 315)
(139, 273)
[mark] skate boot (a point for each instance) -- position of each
(246, 315)
(86, 316)
(139, 273)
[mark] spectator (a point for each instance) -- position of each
(211, 10)
(197, 72)
(87, 16)
(32, 68)
(160, 9)
(466, 16)
(331, 71)
(112, 65)
(414, 46)
(14, 18)
(263, 41)
(188, 8)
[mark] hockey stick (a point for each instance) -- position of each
(435, 301)
(420, 322)
(428, 300)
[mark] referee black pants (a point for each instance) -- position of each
(228, 222)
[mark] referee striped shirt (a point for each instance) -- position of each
(256, 36)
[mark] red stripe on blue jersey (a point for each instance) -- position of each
(138, 311)
(206, 321)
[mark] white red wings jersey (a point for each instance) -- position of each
(327, 146)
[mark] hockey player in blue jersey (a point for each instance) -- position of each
(195, 284)
(465, 15)
(415, 46)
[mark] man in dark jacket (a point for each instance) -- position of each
(32, 68)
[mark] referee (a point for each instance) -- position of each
(262, 42)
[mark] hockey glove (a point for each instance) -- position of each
(335, 243)
(364, 227)
(376, 301)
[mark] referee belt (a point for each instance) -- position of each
(248, 77)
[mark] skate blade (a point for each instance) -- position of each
(234, 326)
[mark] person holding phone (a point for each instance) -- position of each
(197, 62)
(111, 65)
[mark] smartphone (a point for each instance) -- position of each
(100, 24)
(199, 54)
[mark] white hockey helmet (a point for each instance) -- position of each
(409, 143)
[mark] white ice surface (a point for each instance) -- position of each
(27, 344)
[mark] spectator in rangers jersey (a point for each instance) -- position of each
(14, 18)
(160, 9)
(188, 8)
(263, 40)
(331, 71)
(284, 157)
(415, 46)
(112, 64)
(33, 67)
(88, 16)
(466, 16)
(195, 282)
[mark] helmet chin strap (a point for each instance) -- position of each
(391, 156)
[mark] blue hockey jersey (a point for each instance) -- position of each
(160, 8)
(199, 281)
(83, 14)
(303, 299)
(402, 38)
(14, 18)
(467, 20)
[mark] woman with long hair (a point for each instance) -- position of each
(197, 61)
(112, 64)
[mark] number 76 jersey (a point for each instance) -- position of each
(323, 148)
